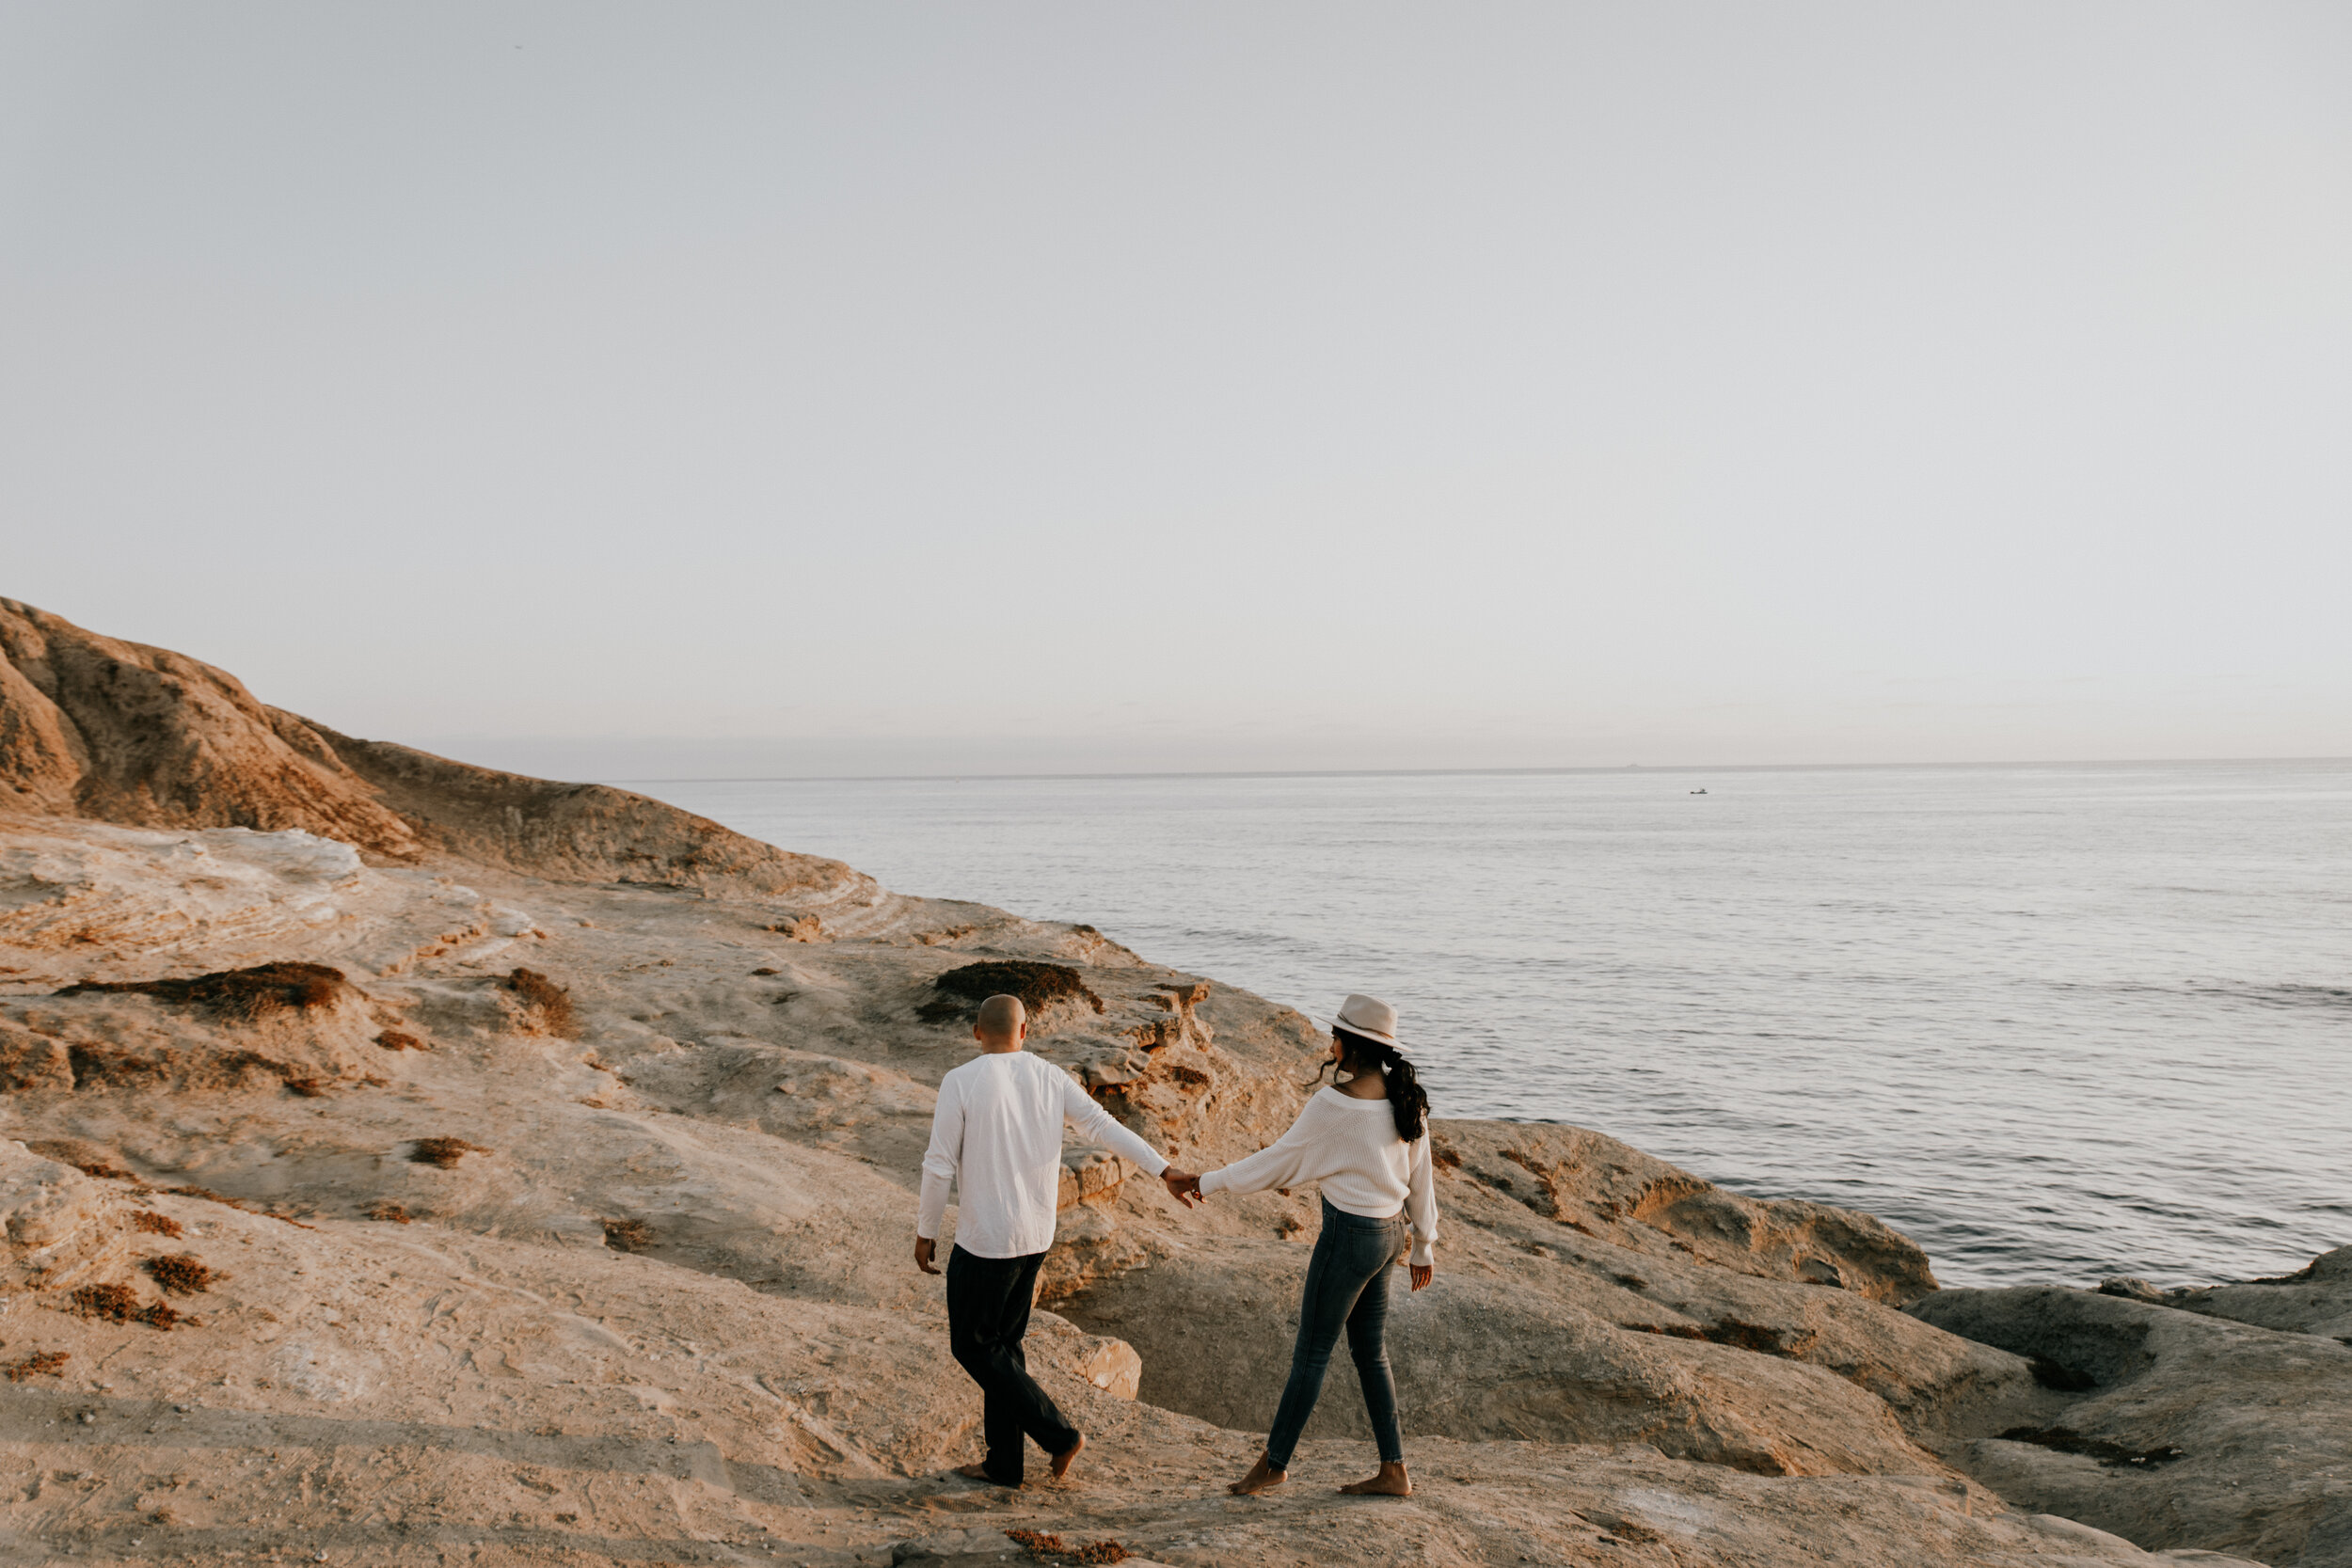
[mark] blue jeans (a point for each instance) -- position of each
(1347, 1283)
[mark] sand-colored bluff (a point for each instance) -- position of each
(417, 1164)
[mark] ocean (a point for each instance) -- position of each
(2053, 1022)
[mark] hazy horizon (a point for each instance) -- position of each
(799, 391)
(563, 760)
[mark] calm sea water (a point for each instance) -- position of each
(2053, 1022)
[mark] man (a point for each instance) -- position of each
(997, 1131)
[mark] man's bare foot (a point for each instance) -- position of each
(1389, 1483)
(1068, 1457)
(1261, 1477)
(976, 1472)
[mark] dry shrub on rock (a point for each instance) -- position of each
(395, 1213)
(442, 1152)
(628, 1235)
(121, 1304)
(160, 1224)
(244, 995)
(395, 1039)
(182, 1273)
(1039, 987)
(1053, 1548)
(46, 1361)
(548, 1005)
(33, 1061)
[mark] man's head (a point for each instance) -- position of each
(1003, 1024)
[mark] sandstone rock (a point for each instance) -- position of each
(2131, 1286)
(662, 1309)
(971, 1548)
(1096, 1359)
(118, 1038)
(2099, 1545)
(122, 733)
(2195, 1432)
(2316, 1299)
(77, 886)
(56, 1225)
(33, 1061)
(956, 1548)
(1570, 1312)
(150, 904)
(586, 833)
(1478, 1358)
(1089, 1175)
(96, 728)
(744, 1158)
(1600, 1187)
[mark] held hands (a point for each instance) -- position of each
(1182, 1185)
(923, 1246)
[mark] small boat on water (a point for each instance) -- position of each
(1698, 792)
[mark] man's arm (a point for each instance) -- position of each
(1100, 1126)
(939, 1163)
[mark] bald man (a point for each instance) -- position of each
(997, 1134)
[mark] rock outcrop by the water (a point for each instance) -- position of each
(412, 1163)
(2176, 1428)
(2315, 1299)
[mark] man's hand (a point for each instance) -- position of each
(923, 1256)
(1182, 1185)
(1422, 1274)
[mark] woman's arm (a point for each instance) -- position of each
(1280, 1164)
(1421, 1209)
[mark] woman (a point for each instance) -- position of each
(1366, 1139)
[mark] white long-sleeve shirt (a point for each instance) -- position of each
(997, 1132)
(1349, 1146)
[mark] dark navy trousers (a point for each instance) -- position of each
(988, 1312)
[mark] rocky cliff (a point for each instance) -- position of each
(120, 732)
(400, 1160)
(117, 732)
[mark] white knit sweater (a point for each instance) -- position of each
(1349, 1146)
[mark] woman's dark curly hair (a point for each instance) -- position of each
(1408, 1103)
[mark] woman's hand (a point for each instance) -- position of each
(1422, 1274)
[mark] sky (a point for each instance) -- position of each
(707, 390)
